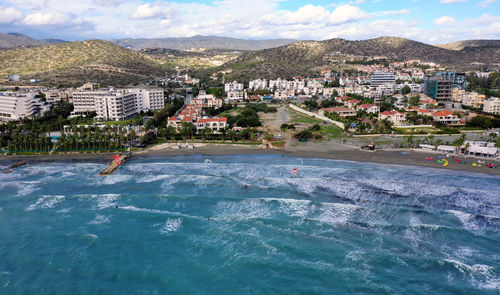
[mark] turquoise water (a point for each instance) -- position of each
(246, 225)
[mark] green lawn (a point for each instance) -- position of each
(331, 131)
(300, 118)
(121, 123)
(416, 129)
(233, 112)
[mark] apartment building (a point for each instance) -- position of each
(16, 105)
(473, 99)
(116, 104)
(492, 105)
(233, 86)
(457, 95)
(379, 78)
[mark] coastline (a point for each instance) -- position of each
(305, 150)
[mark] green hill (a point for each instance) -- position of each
(70, 64)
(307, 57)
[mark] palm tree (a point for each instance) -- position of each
(206, 132)
(231, 134)
(170, 131)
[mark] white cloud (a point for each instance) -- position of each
(50, 18)
(346, 13)
(108, 2)
(109, 19)
(451, 1)
(149, 10)
(486, 3)
(444, 20)
(304, 15)
(9, 15)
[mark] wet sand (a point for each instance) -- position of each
(307, 150)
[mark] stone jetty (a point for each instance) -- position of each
(114, 165)
(14, 166)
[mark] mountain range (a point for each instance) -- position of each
(196, 42)
(12, 40)
(72, 63)
(307, 57)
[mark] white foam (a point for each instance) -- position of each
(105, 200)
(45, 202)
(114, 179)
(91, 236)
(466, 219)
(480, 275)
(156, 211)
(99, 219)
(171, 225)
(152, 178)
(24, 189)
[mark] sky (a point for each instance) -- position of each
(429, 21)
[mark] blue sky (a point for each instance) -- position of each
(430, 21)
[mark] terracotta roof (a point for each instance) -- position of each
(207, 120)
(390, 113)
(444, 113)
(173, 118)
(187, 119)
(366, 106)
(337, 109)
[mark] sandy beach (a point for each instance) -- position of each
(326, 150)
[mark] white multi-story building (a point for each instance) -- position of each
(16, 105)
(234, 96)
(492, 105)
(117, 104)
(149, 99)
(259, 84)
(380, 78)
(233, 86)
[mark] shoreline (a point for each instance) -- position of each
(305, 150)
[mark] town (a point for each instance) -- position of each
(407, 103)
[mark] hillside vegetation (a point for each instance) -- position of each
(460, 45)
(306, 57)
(69, 64)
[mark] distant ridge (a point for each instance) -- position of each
(195, 42)
(460, 45)
(306, 57)
(72, 63)
(13, 40)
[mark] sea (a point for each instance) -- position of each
(247, 224)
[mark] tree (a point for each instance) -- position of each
(206, 133)
(187, 130)
(405, 90)
(131, 135)
(414, 101)
(231, 134)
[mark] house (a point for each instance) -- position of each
(351, 103)
(446, 117)
(369, 108)
(176, 121)
(395, 117)
(419, 111)
(214, 123)
(342, 111)
(342, 99)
